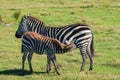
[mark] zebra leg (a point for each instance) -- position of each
(55, 64)
(51, 56)
(84, 57)
(55, 60)
(91, 62)
(29, 61)
(48, 64)
(88, 49)
(23, 61)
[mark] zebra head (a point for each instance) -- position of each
(29, 23)
(23, 27)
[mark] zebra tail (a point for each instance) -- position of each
(92, 46)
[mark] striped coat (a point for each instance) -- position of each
(80, 34)
(33, 42)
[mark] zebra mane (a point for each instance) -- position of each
(36, 19)
(37, 36)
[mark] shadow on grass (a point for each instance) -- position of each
(18, 72)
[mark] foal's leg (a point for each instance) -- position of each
(48, 64)
(29, 61)
(55, 60)
(55, 64)
(23, 60)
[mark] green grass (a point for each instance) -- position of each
(103, 16)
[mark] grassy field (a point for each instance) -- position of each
(102, 15)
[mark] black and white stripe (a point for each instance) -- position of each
(33, 42)
(81, 35)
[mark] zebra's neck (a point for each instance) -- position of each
(50, 31)
(41, 29)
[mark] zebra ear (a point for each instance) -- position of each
(29, 14)
(25, 16)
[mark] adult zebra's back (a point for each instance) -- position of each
(81, 35)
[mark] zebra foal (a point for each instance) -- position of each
(33, 42)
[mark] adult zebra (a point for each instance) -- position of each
(81, 35)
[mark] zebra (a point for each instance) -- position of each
(80, 34)
(33, 42)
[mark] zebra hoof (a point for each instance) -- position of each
(57, 73)
(31, 71)
(81, 70)
(47, 71)
(90, 69)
